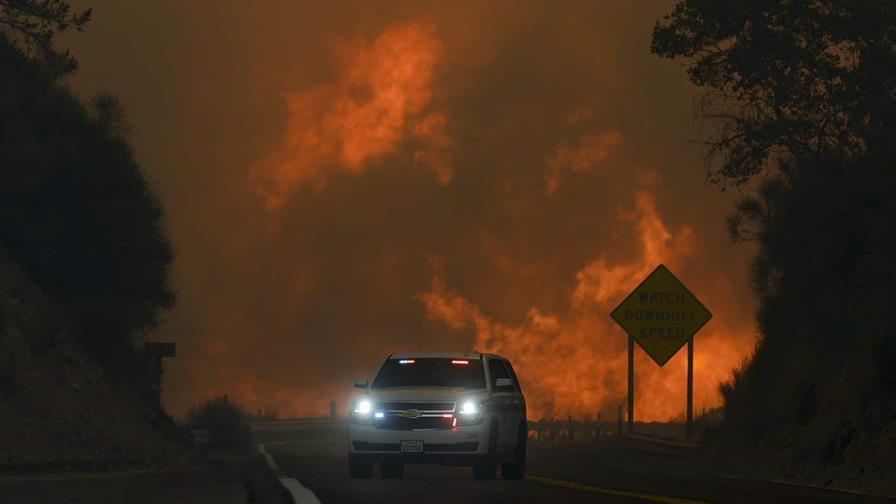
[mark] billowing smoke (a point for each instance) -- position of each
(591, 150)
(344, 181)
(379, 102)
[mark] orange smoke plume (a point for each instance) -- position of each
(592, 149)
(577, 365)
(381, 101)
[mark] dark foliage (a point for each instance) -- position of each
(825, 275)
(805, 91)
(77, 213)
(227, 423)
(787, 77)
(35, 23)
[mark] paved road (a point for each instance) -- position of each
(169, 486)
(315, 454)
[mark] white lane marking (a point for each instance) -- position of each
(300, 494)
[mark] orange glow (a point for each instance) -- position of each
(481, 138)
(576, 365)
(380, 100)
(592, 149)
(434, 144)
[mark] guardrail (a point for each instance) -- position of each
(293, 423)
(569, 430)
(201, 437)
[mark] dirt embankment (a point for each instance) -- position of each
(56, 405)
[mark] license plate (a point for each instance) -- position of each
(412, 446)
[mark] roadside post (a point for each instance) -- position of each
(619, 418)
(154, 352)
(631, 385)
(690, 421)
(661, 315)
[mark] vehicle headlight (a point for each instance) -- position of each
(469, 407)
(363, 406)
(469, 412)
(361, 411)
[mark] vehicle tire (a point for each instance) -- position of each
(359, 468)
(517, 468)
(391, 470)
(487, 468)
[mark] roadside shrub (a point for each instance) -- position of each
(226, 422)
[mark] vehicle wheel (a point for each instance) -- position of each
(359, 468)
(391, 470)
(517, 468)
(488, 467)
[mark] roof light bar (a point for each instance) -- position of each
(457, 361)
(407, 361)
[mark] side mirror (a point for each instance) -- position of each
(503, 382)
(361, 383)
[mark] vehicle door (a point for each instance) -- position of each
(504, 403)
(519, 404)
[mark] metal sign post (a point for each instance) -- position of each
(690, 388)
(661, 314)
(154, 352)
(631, 385)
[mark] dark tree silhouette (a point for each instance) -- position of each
(798, 78)
(77, 212)
(35, 23)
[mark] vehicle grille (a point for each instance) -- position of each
(368, 446)
(440, 407)
(469, 446)
(395, 422)
(415, 415)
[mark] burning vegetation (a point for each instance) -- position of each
(576, 364)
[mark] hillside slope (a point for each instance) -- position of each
(56, 405)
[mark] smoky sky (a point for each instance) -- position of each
(325, 167)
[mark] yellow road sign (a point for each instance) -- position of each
(661, 314)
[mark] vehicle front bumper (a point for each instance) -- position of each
(456, 446)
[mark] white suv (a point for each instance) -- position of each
(445, 408)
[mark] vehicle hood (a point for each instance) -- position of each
(422, 393)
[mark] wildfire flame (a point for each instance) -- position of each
(577, 365)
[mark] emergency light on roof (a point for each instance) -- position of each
(460, 362)
(407, 361)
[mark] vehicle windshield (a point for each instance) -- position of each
(431, 372)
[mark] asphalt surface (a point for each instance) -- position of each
(315, 455)
(137, 487)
